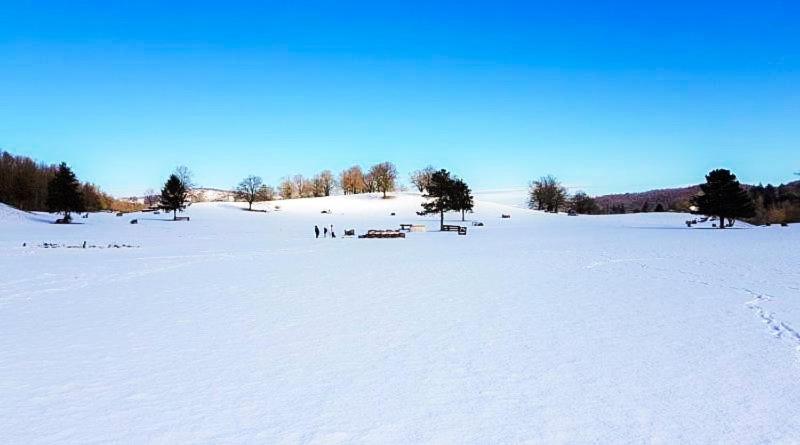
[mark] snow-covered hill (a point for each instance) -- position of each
(241, 327)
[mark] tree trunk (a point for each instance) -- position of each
(384, 194)
(721, 222)
(251, 206)
(441, 220)
(462, 215)
(174, 214)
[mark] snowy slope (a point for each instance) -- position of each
(240, 327)
(10, 215)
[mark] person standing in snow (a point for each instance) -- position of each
(316, 231)
(333, 235)
(325, 233)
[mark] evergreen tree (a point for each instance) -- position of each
(174, 195)
(722, 196)
(659, 207)
(64, 192)
(462, 197)
(440, 196)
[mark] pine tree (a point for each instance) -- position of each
(439, 193)
(174, 196)
(64, 192)
(722, 196)
(462, 197)
(659, 207)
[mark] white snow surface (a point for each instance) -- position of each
(240, 327)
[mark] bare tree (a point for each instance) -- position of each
(151, 199)
(383, 177)
(352, 180)
(547, 194)
(298, 183)
(266, 193)
(327, 182)
(286, 188)
(318, 187)
(186, 176)
(248, 189)
(422, 178)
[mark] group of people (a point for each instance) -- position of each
(324, 232)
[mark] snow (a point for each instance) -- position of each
(239, 327)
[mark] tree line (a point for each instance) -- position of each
(380, 178)
(25, 184)
(721, 196)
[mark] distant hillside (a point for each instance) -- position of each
(206, 194)
(670, 199)
(676, 199)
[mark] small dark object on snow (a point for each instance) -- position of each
(572, 212)
(350, 232)
(182, 218)
(383, 234)
(84, 244)
(119, 213)
(325, 211)
(783, 224)
(504, 216)
(64, 220)
(86, 215)
(477, 224)
(392, 214)
(406, 227)
(134, 221)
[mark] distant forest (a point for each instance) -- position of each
(23, 184)
(773, 204)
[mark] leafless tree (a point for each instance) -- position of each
(298, 183)
(248, 189)
(352, 180)
(422, 178)
(151, 199)
(327, 182)
(547, 194)
(266, 193)
(384, 177)
(286, 188)
(186, 176)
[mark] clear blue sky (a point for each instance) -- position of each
(608, 96)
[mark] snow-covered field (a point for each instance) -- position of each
(241, 327)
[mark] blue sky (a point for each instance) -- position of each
(608, 96)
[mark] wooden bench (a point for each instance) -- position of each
(462, 230)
